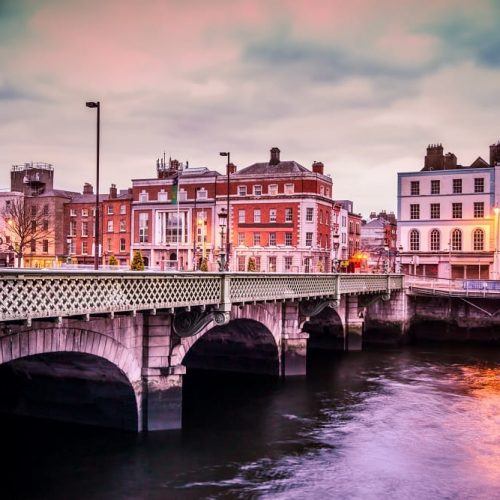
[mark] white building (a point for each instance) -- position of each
(447, 222)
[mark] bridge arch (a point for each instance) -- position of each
(71, 374)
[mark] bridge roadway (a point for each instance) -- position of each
(140, 330)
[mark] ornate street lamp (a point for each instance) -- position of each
(97, 105)
(222, 253)
(228, 154)
(336, 245)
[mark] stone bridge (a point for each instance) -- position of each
(111, 348)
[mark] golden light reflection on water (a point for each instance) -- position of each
(483, 407)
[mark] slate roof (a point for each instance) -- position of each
(265, 168)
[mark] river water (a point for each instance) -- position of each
(417, 423)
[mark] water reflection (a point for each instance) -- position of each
(418, 423)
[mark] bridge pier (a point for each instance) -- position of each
(293, 342)
(162, 399)
(354, 324)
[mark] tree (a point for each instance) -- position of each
(27, 225)
(204, 264)
(113, 261)
(251, 265)
(137, 262)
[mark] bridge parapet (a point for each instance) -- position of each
(27, 294)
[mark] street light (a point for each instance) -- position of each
(387, 262)
(495, 257)
(222, 224)
(68, 258)
(195, 227)
(336, 245)
(91, 104)
(228, 154)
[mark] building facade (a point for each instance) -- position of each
(447, 222)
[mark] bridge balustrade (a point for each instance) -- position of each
(29, 294)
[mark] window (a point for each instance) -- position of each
(256, 239)
(309, 214)
(321, 216)
(414, 240)
(435, 240)
(288, 262)
(45, 225)
(322, 190)
(288, 214)
(257, 190)
(289, 189)
(241, 263)
(241, 216)
(143, 196)
(457, 186)
(435, 187)
(143, 228)
(123, 209)
(85, 247)
(123, 226)
(202, 194)
(110, 244)
(272, 215)
(272, 239)
(110, 226)
(85, 212)
(45, 210)
(309, 239)
(45, 246)
(33, 245)
(110, 210)
(242, 190)
(72, 228)
(72, 212)
(456, 210)
(256, 215)
(85, 228)
(273, 189)
(478, 239)
(272, 264)
(478, 209)
(435, 210)
(33, 210)
(479, 185)
(241, 239)
(414, 211)
(456, 240)
(415, 188)
(288, 239)
(162, 195)
(122, 245)
(257, 263)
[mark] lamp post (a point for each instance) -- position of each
(398, 260)
(387, 259)
(68, 258)
(222, 224)
(228, 154)
(92, 104)
(336, 245)
(195, 227)
(495, 256)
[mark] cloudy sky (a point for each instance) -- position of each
(362, 85)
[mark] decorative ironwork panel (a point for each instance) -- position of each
(259, 287)
(44, 294)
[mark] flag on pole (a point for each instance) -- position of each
(175, 187)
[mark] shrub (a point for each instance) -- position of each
(137, 262)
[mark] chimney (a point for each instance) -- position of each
(232, 168)
(113, 191)
(495, 154)
(318, 167)
(450, 161)
(434, 160)
(275, 156)
(88, 189)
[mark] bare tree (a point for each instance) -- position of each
(27, 225)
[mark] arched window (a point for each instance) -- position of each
(456, 240)
(478, 239)
(435, 240)
(414, 240)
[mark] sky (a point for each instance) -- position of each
(361, 85)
